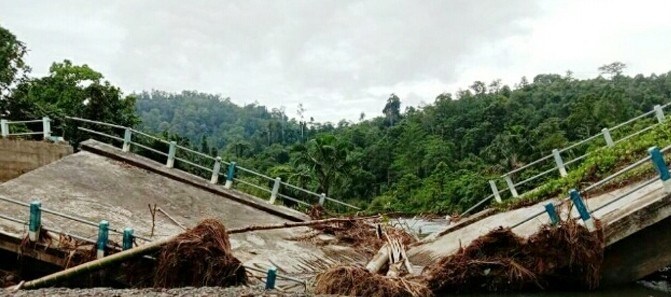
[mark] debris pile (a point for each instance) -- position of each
(566, 256)
(357, 281)
(201, 256)
(364, 235)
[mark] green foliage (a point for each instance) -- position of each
(12, 66)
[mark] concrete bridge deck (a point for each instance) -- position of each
(638, 213)
(99, 183)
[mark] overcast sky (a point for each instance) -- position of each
(339, 58)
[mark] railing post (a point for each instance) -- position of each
(322, 199)
(126, 140)
(171, 154)
(606, 135)
(127, 238)
(215, 171)
(103, 236)
(552, 213)
(276, 189)
(582, 210)
(46, 127)
(511, 186)
(35, 223)
(659, 113)
(270, 278)
(230, 175)
(660, 165)
(4, 126)
(495, 190)
(560, 162)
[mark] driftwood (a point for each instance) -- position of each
(171, 218)
(153, 246)
(294, 224)
(392, 253)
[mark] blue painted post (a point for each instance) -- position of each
(582, 210)
(46, 127)
(606, 135)
(4, 126)
(230, 174)
(660, 165)
(215, 171)
(552, 213)
(126, 140)
(270, 278)
(659, 113)
(35, 222)
(275, 191)
(127, 238)
(511, 186)
(559, 162)
(171, 154)
(103, 236)
(322, 199)
(495, 190)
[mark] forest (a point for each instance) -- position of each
(435, 158)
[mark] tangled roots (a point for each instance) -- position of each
(357, 281)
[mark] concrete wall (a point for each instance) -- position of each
(20, 156)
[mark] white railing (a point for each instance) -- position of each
(558, 165)
(216, 167)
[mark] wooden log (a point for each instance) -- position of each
(379, 260)
(294, 224)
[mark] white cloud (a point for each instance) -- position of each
(338, 58)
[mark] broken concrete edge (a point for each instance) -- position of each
(45, 253)
(637, 219)
(111, 152)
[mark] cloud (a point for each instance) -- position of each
(339, 58)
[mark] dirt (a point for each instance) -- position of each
(189, 291)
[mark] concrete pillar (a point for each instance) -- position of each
(276, 189)
(582, 210)
(511, 186)
(4, 126)
(215, 171)
(495, 190)
(552, 213)
(35, 222)
(270, 278)
(126, 140)
(659, 113)
(660, 165)
(127, 238)
(322, 199)
(230, 175)
(46, 127)
(606, 135)
(171, 154)
(559, 162)
(103, 236)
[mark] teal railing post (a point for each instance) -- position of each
(35, 223)
(275, 191)
(46, 127)
(103, 236)
(215, 170)
(582, 209)
(552, 213)
(127, 239)
(4, 126)
(230, 175)
(495, 190)
(270, 278)
(127, 134)
(171, 155)
(660, 165)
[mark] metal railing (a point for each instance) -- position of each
(559, 165)
(247, 180)
(602, 182)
